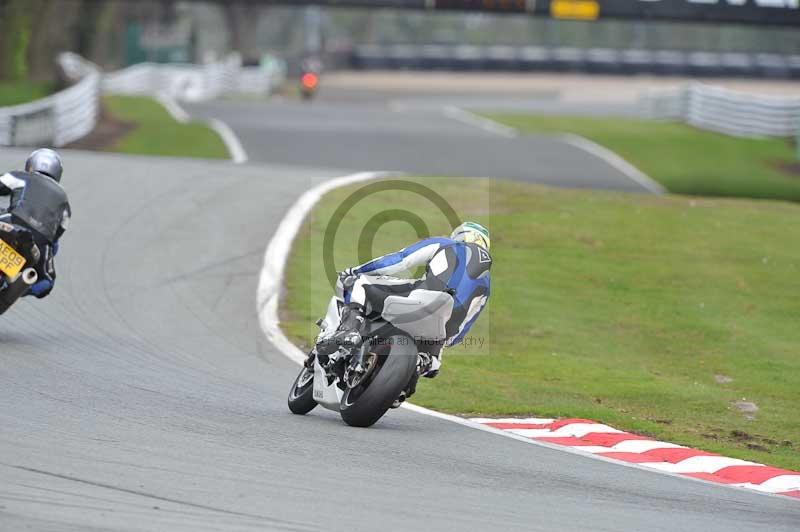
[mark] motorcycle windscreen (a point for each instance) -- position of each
(423, 314)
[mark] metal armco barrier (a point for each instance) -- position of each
(725, 111)
(58, 119)
(193, 82)
(72, 113)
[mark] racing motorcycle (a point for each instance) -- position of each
(309, 82)
(17, 250)
(362, 382)
(310, 71)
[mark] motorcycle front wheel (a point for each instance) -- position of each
(366, 403)
(301, 396)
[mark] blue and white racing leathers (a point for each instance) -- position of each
(455, 268)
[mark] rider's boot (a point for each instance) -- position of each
(349, 332)
(433, 370)
(428, 365)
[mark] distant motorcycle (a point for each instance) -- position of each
(18, 256)
(362, 383)
(309, 82)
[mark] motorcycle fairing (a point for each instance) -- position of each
(423, 314)
(328, 395)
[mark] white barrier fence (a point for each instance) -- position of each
(58, 119)
(725, 111)
(72, 113)
(194, 82)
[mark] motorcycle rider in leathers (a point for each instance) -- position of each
(38, 203)
(458, 265)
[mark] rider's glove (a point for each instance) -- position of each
(348, 278)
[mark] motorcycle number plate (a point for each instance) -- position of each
(11, 262)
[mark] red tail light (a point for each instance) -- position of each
(309, 80)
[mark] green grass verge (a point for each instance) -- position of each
(683, 159)
(17, 92)
(625, 309)
(157, 133)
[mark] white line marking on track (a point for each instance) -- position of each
(269, 284)
(611, 158)
(232, 142)
(471, 119)
(235, 148)
(269, 287)
(173, 107)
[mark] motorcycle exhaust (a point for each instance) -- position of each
(14, 290)
(29, 276)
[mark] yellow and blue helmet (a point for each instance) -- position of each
(474, 233)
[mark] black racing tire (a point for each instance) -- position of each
(390, 378)
(11, 293)
(301, 398)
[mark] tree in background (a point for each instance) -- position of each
(15, 35)
(52, 26)
(242, 24)
(99, 32)
(33, 32)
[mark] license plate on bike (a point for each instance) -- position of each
(11, 262)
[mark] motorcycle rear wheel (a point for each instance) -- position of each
(365, 404)
(301, 395)
(13, 291)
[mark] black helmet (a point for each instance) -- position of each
(46, 162)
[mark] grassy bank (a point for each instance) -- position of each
(155, 132)
(652, 314)
(683, 159)
(17, 92)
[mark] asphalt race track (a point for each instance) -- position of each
(357, 133)
(142, 394)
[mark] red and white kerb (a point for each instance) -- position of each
(601, 440)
